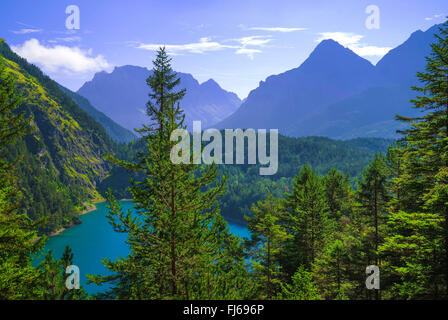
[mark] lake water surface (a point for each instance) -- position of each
(95, 239)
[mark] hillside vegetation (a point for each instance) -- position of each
(62, 159)
(244, 184)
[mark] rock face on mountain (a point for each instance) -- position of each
(62, 159)
(338, 94)
(122, 96)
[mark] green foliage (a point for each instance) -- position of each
(18, 236)
(16, 232)
(413, 250)
(331, 270)
(302, 287)
(337, 191)
(312, 234)
(51, 283)
(416, 247)
(61, 154)
(373, 196)
(180, 246)
(245, 186)
(267, 238)
(306, 217)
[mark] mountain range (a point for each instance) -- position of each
(114, 130)
(63, 167)
(338, 94)
(333, 93)
(122, 96)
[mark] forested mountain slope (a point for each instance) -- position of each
(245, 186)
(62, 159)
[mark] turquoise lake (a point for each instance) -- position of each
(95, 239)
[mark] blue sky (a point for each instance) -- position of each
(237, 43)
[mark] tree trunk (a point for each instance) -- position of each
(376, 236)
(269, 268)
(446, 215)
(173, 241)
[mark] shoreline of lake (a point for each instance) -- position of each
(95, 239)
(94, 207)
(86, 211)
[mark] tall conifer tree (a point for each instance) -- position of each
(417, 243)
(177, 238)
(306, 220)
(267, 238)
(17, 276)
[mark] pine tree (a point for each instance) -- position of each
(412, 251)
(306, 219)
(336, 269)
(175, 240)
(331, 268)
(17, 276)
(302, 287)
(373, 197)
(338, 193)
(53, 276)
(417, 242)
(267, 238)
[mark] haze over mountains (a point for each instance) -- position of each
(334, 93)
(331, 73)
(338, 94)
(114, 130)
(122, 95)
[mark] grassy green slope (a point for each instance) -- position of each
(63, 157)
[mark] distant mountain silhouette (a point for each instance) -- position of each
(338, 94)
(122, 95)
(331, 73)
(400, 65)
(114, 130)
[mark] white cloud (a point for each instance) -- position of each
(26, 31)
(253, 40)
(249, 52)
(371, 51)
(277, 29)
(61, 58)
(353, 42)
(436, 16)
(344, 38)
(204, 45)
